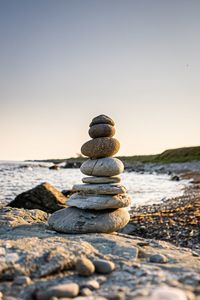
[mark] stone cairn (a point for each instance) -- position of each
(99, 204)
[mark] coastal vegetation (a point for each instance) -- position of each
(184, 154)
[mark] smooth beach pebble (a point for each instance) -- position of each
(91, 284)
(168, 293)
(158, 258)
(101, 130)
(95, 179)
(108, 166)
(99, 202)
(102, 119)
(100, 147)
(88, 298)
(116, 296)
(100, 188)
(75, 220)
(84, 266)
(85, 292)
(61, 290)
(103, 266)
(22, 280)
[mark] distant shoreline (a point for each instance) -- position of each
(179, 155)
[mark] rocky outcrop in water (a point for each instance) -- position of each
(44, 197)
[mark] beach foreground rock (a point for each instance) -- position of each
(99, 205)
(30, 249)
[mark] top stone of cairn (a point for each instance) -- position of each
(102, 119)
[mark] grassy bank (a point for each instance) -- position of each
(185, 154)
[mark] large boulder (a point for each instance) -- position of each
(44, 197)
(75, 220)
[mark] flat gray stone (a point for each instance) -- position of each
(94, 179)
(99, 202)
(100, 188)
(108, 166)
(75, 220)
(60, 290)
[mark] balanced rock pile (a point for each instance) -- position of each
(99, 204)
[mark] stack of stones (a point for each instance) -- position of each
(99, 204)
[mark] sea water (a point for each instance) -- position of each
(18, 177)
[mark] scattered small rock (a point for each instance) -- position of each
(2, 251)
(91, 284)
(60, 290)
(168, 293)
(175, 178)
(22, 280)
(87, 298)
(54, 167)
(103, 266)
(85, 267)
(10, 298)
(116, 296)
(158, 258)
(86, 292)
(11, 257)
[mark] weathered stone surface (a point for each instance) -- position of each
(44, 197)
(100, 147)
(85, 292)
(74, 220)
(100, 188)
(168, 293)
(94, 179)
(102, 119)
(22, 280)
(61, 290)
(103, 266)
(35, 245)
(158, 258)
(84, 266)
(107, 167)
(99, 202)
(101, 130)
(12, 217)
(91, 284)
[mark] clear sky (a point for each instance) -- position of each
(62, 62)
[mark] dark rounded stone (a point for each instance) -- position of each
(102, 119)
(101, 130)
(100, 147)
